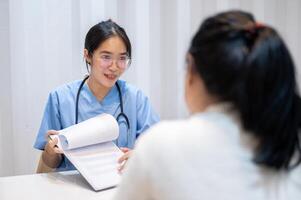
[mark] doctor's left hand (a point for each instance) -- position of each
(124, 158)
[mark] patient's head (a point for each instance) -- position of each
(232, 58)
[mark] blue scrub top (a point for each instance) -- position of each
(60, 112)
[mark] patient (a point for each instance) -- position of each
(241, 140)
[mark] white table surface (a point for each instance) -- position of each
(52, 186)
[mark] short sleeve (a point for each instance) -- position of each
(50, 120)
(146, 115)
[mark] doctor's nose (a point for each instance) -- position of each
(114, 66)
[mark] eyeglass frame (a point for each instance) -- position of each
(112, 58)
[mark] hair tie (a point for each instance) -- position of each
(259, 25)
(253, 27)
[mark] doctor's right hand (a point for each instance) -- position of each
(51, 147)
(52, 155)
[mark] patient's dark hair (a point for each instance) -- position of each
(101, 32)
(248, 64)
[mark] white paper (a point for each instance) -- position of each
(97, 163)
(101, 128)
(89, 147)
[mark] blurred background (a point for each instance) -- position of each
(42, 47)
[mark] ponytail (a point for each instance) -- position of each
(249, 65)
(272, 105)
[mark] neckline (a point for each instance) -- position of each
(108, 98)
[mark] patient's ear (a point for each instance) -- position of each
(189, 82)
(196, 95)
(191, 73)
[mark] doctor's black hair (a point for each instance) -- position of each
(101, 32)
(248, 64)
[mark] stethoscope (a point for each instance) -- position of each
(120, 115)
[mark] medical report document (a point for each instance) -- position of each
(90, 148)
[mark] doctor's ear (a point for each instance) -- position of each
(87, 56)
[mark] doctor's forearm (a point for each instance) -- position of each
(51, 160)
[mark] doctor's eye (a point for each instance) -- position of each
(106, 57)
(123, 58)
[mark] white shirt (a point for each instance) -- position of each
(208, 156)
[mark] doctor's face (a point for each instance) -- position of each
(109, 61)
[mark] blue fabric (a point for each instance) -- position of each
(60, 112)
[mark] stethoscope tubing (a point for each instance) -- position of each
(121, 114)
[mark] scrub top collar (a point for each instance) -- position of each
(110, 100)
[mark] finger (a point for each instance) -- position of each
(122, 165)
(124, 149)
(124, 157)
(57, 150)
(49, 149)
(50, 144)
(52, 132)
(120, 168)
(53, 142)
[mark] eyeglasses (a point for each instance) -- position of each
(122, 61)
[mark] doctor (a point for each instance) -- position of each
(108, 54)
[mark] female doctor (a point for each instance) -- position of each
(108, 54)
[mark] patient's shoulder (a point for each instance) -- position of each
(176, 132)
(200, 133)
(182, 128)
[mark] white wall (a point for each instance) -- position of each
(41, 48)
(6, 142)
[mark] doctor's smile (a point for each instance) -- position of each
(111, 76)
